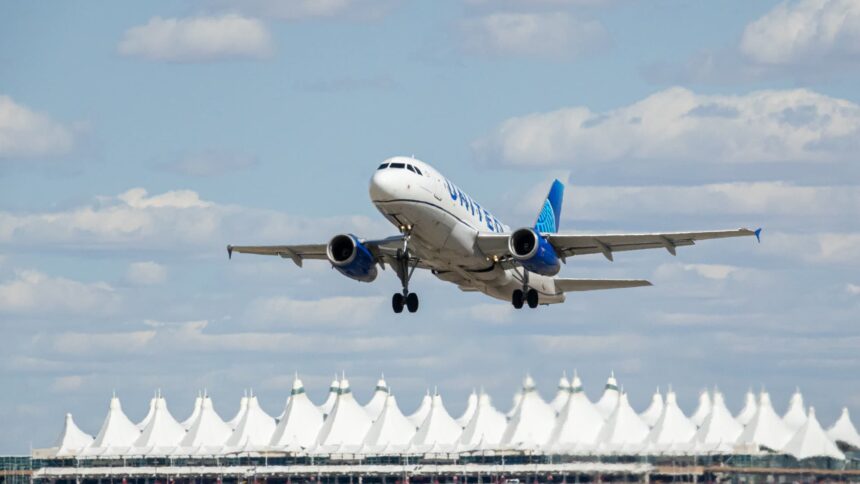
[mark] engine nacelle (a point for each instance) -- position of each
(351, 258)
(534, 252)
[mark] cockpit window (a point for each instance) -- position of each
(397, 165)
(383, 166)
(418, 171)
(409, 167)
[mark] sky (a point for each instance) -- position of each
(138, 139)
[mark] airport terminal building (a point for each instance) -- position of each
(567, 439)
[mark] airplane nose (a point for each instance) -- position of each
(382, 185)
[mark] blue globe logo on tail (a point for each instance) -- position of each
(550, 213)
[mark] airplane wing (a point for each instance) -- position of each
(571, 285)
(567, 245)
(384, 250)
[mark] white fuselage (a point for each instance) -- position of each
(444, 222)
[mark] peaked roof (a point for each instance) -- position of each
(624, 428)
(673, 430)
(703, 409)
(654, 410)
(811, 441)
(766, 428)
(208, 429)
(377, 401)
(486, 425)
(532, 421)
(243, 406)
(391, 428)
(748, 412)
(143, 423)
(438, 427)
(301, 421)
(719, 431)
(515, 401)
(72, 439)
(471, 405)
(417, 418)
(347, 424)
(162, 430)
(562, 394)
(255, 428)
(117, 430)
(843, 430)
(579, 423)
(609, 400)
(333, 391)
(795, 416)
(198, 402)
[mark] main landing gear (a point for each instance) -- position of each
(404, 266)
(525, 294)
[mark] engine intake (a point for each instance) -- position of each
(534, 252)
(351, 258)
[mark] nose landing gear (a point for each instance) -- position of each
(405, 266)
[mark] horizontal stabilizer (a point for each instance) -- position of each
(570, 285)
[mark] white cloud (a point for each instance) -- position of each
(555, 35)
(25, 133)
(832, 248)
(198, 39)
(67, 383)
(146, 273)
(679, 125)
(33, 292)
(338, 311)
(853, 289)
(712, 271)
(803, 32)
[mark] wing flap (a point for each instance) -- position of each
(573, 285)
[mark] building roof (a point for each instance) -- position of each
(71, 440)
(208, 429)
(301, 421)
(438, 428)
(471, 405)
(347, 424)
(142, 424)
(485, 427)
(333, 391)
(719, 431)
(417, 418)
(243, 406)
(532, 421)
(843, 430)
(578, 423)
(673, 430)
(198, 402)
(561, 395)
(377, 401)
(703, 408)
(117, 430)
(766, 429)
(811, 441)
(391, 429)
(162, 430)
(748, 412)
(795, 416)
(254, 429)
(624, 430)
(654, 410)
(609, 400)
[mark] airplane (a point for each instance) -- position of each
(444, 230)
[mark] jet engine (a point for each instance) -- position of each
(351, 258)
(534, 252)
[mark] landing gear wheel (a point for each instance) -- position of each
(517, 299)
(532, 298)
(412, 302)
(397, 302)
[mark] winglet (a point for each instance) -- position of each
(758, 234)
(229, 251)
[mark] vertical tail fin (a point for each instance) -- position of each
(550, 214)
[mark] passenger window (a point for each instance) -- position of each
(409, 167)
(383, 166)
(397, 165)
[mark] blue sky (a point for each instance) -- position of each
(137, 140)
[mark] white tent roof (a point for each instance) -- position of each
(162, 430)
(347, 424)
(255, 428)
(377, 401)
(418, 417)
(198, 402)
(609, 400)
(719, 431)
(811, 441)
(624, 429)
(766, 428)
(843, 430)
(561, 395)
(532, 421)
(301, 421)
(485, 427)
(654, 410)
(748, 412)
(391, 428)
(515, 402)
(143, 423)
(471, 405)
(333, 390)
(208, 428)
(117, 430)
(673, 430)
(243, 406)
(71, 440)
(795, 416)
(703, 409)
(438, 427)
(579, 423)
